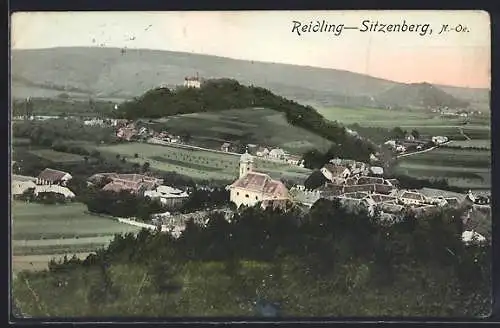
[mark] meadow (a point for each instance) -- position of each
(467, 168)
(199, 164)
(370, 120)
(60, 229)
(57, 156)
(486, 144)
(260, 126)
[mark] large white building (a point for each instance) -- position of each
(254, 187)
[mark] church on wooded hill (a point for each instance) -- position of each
(254, 187)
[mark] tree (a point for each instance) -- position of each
(145, 167)
(398, 133)
(415, 134)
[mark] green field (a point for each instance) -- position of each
(259, 126)
(470, 144)
(467, 168)
(198, 164)
(426, 123)
(57, 229)
(57, 156)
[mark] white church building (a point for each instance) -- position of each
(253, 187)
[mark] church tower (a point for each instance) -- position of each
(246, 163)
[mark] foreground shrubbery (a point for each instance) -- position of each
(326, 262)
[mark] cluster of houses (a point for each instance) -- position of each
(55, 181)
(141, 185)
(410, 143)
(356, 185)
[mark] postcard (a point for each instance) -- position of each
(245, 165)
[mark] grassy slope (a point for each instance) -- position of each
(460, 167)
(50, 229)
(105, 72)
(198, 164)
(266, 127)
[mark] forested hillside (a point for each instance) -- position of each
(221, 94)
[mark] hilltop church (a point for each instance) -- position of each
(254, 187)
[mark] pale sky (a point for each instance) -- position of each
(452, 58)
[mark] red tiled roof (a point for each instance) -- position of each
(51, 175)
(261, 183)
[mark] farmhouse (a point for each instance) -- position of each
(254, 187)
(167, 195)
(50, 177)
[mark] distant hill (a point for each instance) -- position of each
(419, 95)
(109, 73)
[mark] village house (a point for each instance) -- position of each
(192, 81)
(53, 177)
(438, 140)
(225, 147)
(56, 189)
(377, 171)
(277, 153)
(21, 184)
(262, 152)
(412, 198)
(335, 173)
(254, 187)
(134, 183)
(167, 195)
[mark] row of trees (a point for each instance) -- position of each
(326, 262)
(126, 204)
(62, 106)
(221, 94)
(46, 133)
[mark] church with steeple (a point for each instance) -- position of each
(253, 187)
